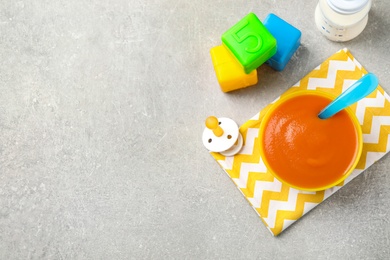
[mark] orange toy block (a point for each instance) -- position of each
(230, 74)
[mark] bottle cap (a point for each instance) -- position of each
(347, 6)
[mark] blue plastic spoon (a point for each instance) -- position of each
(360, 89)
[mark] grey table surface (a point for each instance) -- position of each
(102, 107)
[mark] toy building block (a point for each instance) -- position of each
(250, 42)
(288, 40)
(230, 74)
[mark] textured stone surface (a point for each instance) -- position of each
(102, 105)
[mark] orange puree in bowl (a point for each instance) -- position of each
(306, 151)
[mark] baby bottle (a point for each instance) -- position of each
(342, 20)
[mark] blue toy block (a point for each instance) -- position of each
(288, 39)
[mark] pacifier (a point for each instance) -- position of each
(222, 135)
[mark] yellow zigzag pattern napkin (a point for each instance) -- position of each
(279, 205)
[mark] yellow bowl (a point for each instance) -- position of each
(322, 182)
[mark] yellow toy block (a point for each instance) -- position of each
(230, 74)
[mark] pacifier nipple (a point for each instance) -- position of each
(212, 123)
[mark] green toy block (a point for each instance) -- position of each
(250, 42)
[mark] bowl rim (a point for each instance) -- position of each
(294, 94)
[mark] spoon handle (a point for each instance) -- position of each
(360, 89)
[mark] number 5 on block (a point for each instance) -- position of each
(250, 42)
